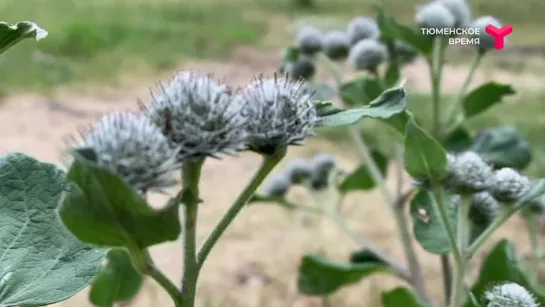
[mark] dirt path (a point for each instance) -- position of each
(255, 263)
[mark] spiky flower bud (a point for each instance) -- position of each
(508, 295)
(281, 113)
(336, 45)
(132, 147)
(302, 69)
(299, 171)
(367, 55)
(508, 185)
(486, 41)
(404, 52)
(361, 28)
(468, 173)
(461, 12)
(277, 185)
(309, 40)
(435, 15)
(199, 115)
(322, 165)
(484, 208)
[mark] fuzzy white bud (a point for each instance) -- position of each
(336, 45)
(134, 148)
(368, 55)
(461, 12)
(299, 171)
(309, 40)
(281, 113)
(199, 115)
(468, 173)
(486, 41)
(435, 15)
(509, 295)
(361, 28)
(322, 165)
(509, 185)
(302, 69)
(277, 185)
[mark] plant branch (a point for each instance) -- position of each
(268, 164)
(507, 212)
(191, 174)
(435, 65)
(447, 277)
(440, 208)
(531, 222)
(463, 228)
(164, 281)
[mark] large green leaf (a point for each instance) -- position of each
(388, 104)
(401, 297)
(320, 276)
(484, 97)
(424, 157)
(459, 140)
(428, 229)
(391, 29)
(103, 209)
(501, 265)
(360, 178)
(11, 34)
(360, 91)
(117, 281)
(41, 263)
(504, 147)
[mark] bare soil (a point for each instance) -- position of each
(255, 263)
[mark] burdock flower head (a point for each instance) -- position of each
(322, 166)
(132, 147)
(336, 45)
(368, 55)
(468, 173)
(508, 295)
(198, 115)
(509, 185)
(299, 171)
(280, 111)
(309, 40)
(277, 185)
(303, 68)
(486, 42)
(435, 15)
(361, 28)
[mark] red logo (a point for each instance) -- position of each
(499, 34)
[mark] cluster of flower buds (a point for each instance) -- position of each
(443, 14)
(508, 294)
(359, 44)
(314, 174)
(195, 116)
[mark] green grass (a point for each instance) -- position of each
(95, 41)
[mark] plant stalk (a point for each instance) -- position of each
(531, 222)
(435, 65)
(463, 228)
(268, 164)
(191, 174)
(507, 212)
(447, 277)
(440, 208)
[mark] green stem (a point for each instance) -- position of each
(458, 291)
(531, 222)
(507, 212)
(440, 208)
(474, 65)
(191, 174)
(435, 65)
(268, 164)
(447, 277)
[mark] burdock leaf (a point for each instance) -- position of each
(503, 146)
(484, 97)
(41, 263)
(102, 209)
(389, 103)
(11, 34)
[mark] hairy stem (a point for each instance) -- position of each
(463, 228)
(435, 65)
(447, 277)
(461, 96)
(400, 219)
(268, 164)
(531, 222)
(440, 207)
(507, 212)
(191, 174)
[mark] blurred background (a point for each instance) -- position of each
(103, 55)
